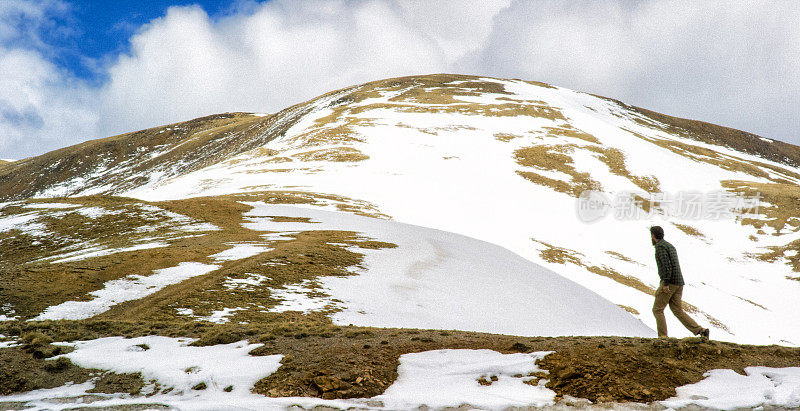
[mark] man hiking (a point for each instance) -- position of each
(671, 287)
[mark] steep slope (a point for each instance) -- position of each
(505, 161)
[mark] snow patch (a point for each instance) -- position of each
(24, 223)
(300, 297)
(95, 212)
(50, 205)
(99, 252)
(129, 288)
(727, 389)
(247, 283)
(217, 316)
(449, 378)
(173, 363)
(239, 252)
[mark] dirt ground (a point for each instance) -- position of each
(322, 360)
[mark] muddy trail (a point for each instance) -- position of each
(331, 362)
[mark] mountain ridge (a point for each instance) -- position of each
(20, 180)
(443, 151)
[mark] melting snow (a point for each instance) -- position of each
(449, 378)
(99, 251)
(727, 389)
(481, 195)
(50, 205)
(173, 363)
(239, 252)
(245, 283)
(217, 317)
(427, 379)
(129, 288)
(300, 297)
(24, 223)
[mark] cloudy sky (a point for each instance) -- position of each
(76, 70)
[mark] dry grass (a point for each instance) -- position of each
(726, 162)
(777, 151)
(338, 154)
(689, 230)
(554, 158)
(615, 160)
(621, 257)
(557, 157)
(783, 211)
(506, 137)
(629, 309)
(569, 131)
(789, 252)
(562, 255)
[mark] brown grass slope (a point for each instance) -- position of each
(29, 176)
(125, 161)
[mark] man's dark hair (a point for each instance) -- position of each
(657, 232)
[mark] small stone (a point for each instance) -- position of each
(327, 383)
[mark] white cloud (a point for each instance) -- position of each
(728, 62)
(732, 63)
(185, 65)
(41, 108)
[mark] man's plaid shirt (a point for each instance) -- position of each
(667, 261)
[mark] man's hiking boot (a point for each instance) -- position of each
(704, 333)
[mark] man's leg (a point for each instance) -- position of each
(662, 299)
(676, 305)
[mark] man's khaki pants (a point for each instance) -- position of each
(673, 299)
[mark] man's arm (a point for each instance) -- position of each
(664, 263)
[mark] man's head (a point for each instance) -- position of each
(656, 234)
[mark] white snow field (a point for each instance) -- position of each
(451, 171)
(440, 280)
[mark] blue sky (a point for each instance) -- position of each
(77, 70)
(94, 31)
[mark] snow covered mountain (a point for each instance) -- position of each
(504, 162)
